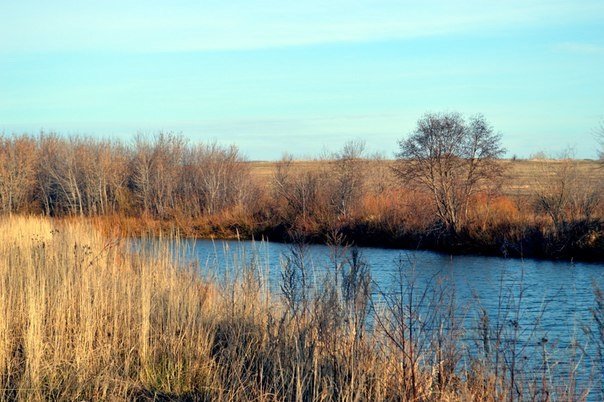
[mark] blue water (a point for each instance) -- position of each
(551, 300)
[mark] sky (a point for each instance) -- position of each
(304, 77)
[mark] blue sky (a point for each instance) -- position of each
(272, 76)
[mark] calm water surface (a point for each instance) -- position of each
(558, 295)
(563, 289)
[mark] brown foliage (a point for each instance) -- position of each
(543, 208)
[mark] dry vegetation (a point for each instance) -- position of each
(521, 175)
(87, 318)
(544, 208)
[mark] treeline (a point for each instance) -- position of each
(165, 176)
(150, 176)
(450, 201)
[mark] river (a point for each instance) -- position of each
(543, 300)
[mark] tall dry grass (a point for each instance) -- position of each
(87, 317)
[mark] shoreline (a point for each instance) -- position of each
(533, 246)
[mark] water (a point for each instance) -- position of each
(557, 296)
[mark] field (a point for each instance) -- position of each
(520, 179)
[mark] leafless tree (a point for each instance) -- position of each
(60, 173)
(216, 178)
(17, 172)
(155, 170)
(452, 159)
(564, 193)
(104, 174)
(349, 177)
(141, 171)
(80, 175)
(600, 138)
(298, 192)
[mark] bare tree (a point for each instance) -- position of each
(216, 178)
(17, 172)
(600, 138)
(297, 192)
(349, 177)
(156, 169)
(104, 174)
(60, 174)
(565, 193)
(141, 168)
(452, 159)
(80, 175)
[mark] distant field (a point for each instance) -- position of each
(521, 175)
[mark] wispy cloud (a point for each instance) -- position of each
(578, 47)
(250, 24)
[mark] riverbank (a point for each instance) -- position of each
(578, 241)
(543, 208)
(85, 317)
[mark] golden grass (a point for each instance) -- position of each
(83, 318)
(520, 179)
